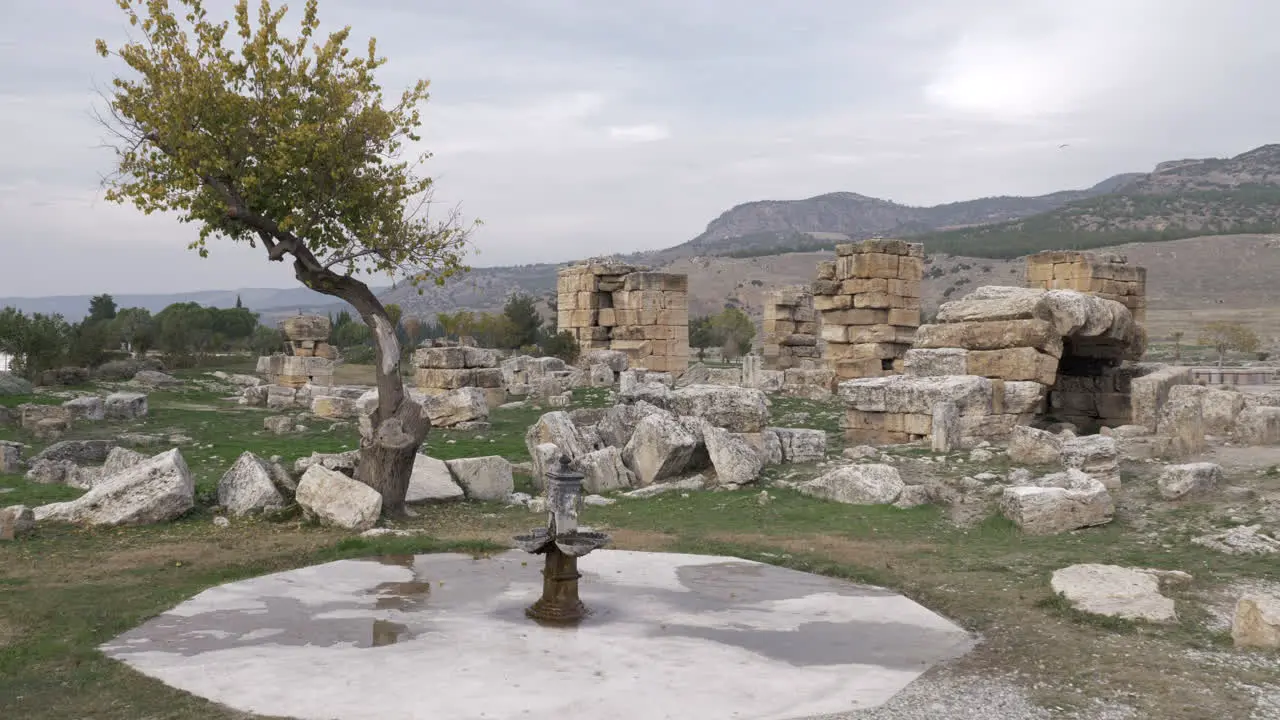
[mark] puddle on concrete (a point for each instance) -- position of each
(388, 633)
(401, 595)
(404, 561)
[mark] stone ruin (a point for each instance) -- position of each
(1105, 275)
(611, 306)
(309, 358)
(790, 330)
(446, 366)
(869, 302)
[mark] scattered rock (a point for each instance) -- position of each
(860, 452)
(1095, 456)
(1241, 540)
(603, 470)
(1058, 503)
(81, 452)
(1257, 622)
(159, 489)
(58, 472)
(10, 457)
(483, 478)
(11, 384)
(221, 522)
(1029, 446)
(450, 408)
(90, 408)
(126, 406)
(1190, 480)
(869, 484)
(1182, 420)
(431, 481)
(335, 499)
(912, 496)
(1258, 426)
(248, 486)
(981, 455)
(388, 532)
(736, 461)
(801, 445)
(343, 462)
(598, 501)
(119, 460)
(696, 482)
(659, 448)
(1113, 591)
(736, 409)
(278, 424)
(155, 378)
(16, 521)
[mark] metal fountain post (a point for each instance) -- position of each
(563, 544)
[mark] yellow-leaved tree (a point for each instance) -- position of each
(287, 143)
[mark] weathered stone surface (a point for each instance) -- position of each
(1029, 446)
(736, 460)
(1149, 392)
(88, 407)
(998, 335)
(616, 360)
(556, 428)
(992, 303)
(467, 404)
(157, 490)
(735, 409)
(1024, 364)
(36, 416)
(917, 395)
(10, 457)
(1190, 480)
(11, 384)
(1182, 420)
(1113, 591)
(1021, 397)
(431, 481)
(156, 379)
(1258, 426)
(126, 406)
(248, 486)
(1221, 408)
(278, 424)
(484, 478)
(1096, 456)
(600, 376)
(16, 521)
(659, 448)
(343, 462)
(306, 327)
(61, 472)
(945, 428)
(934, 362)
(334, 408)
(870, 484)
(603, 470)
(80, 452)
(1241, 540)
(618, 422)
(696, 482)
(1257, 622)
(335, 499)
(121, 459)
(1058, 503)
(800, 445)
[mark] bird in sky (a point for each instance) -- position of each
(1064, 145)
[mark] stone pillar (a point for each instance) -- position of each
(1106, 275)
(869, 303)
(441, 370)
(610, 306)
(790, 330)
(308, 357)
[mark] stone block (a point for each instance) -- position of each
(1013, 364)
(911, 269)
(933, 362)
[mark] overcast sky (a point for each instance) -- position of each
(579, 127)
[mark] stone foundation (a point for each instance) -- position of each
(609, 306)
(442, 369)
(869, 304)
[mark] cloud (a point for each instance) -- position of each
(574, 127)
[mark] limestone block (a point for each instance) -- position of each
(992, 303)
(996, 335)
(903, 317)
(157, 490)
(1013, 364)
(1257, 621)
(1258, 425)
(826, 270)
(864, 351)
(945, 428)
(1221, 407)
(1182, 420)
(659, 448)
(1150, 392)
(911, 269)
(740, 410)
(1058, 503)
(858, 285)
(918, 395)
(1113, 591)
(1030, 446)
(856, 316)
(306, 327)
(1095, 455)
(933, 362)
(1023, 396)
(828, 302)
(870, 484)
(800, 445)
(876, 300)
(872, 265)
(1190, 480)
(865, 394)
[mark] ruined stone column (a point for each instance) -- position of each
(790, 330)
(441, 369)
(869, 303)
(610, 306)
(309, 358)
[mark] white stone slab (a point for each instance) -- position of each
(444, 637)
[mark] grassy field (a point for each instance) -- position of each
(66, 590)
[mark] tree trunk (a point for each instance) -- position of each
(392, 434)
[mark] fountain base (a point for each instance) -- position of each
(559, 604)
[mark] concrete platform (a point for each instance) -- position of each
(444, 637)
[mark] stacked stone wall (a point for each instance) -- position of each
(1106, 275)
(790, 328)
(608, 306)
(868, 300)
(441, 370)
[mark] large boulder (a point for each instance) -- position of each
(156, 379)
(1190, 480)
(918, 395)
(80, 452)
(126, 406)
(659, 448)
(157, 490)
(249, 486)
(343, 462)
(1240, 540)
(484, 478)
(617, 423)
(1058, 503)
(800, 445)
(603, 470)
(1113, 591)
(10, 457)
(871, 484)
(1257, 622)
(556, 428)
(736, 409)
(335, 499)
(88, 407)
(431, 481)
(735, 459)
(121, 459)
(1182, 420)
(447, 409)
(615, 360)
(1221, 408)
(11, 384)
(1030, 446)
(61, 472)
(334, 407)
(1258, 426)
(1096, 456)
